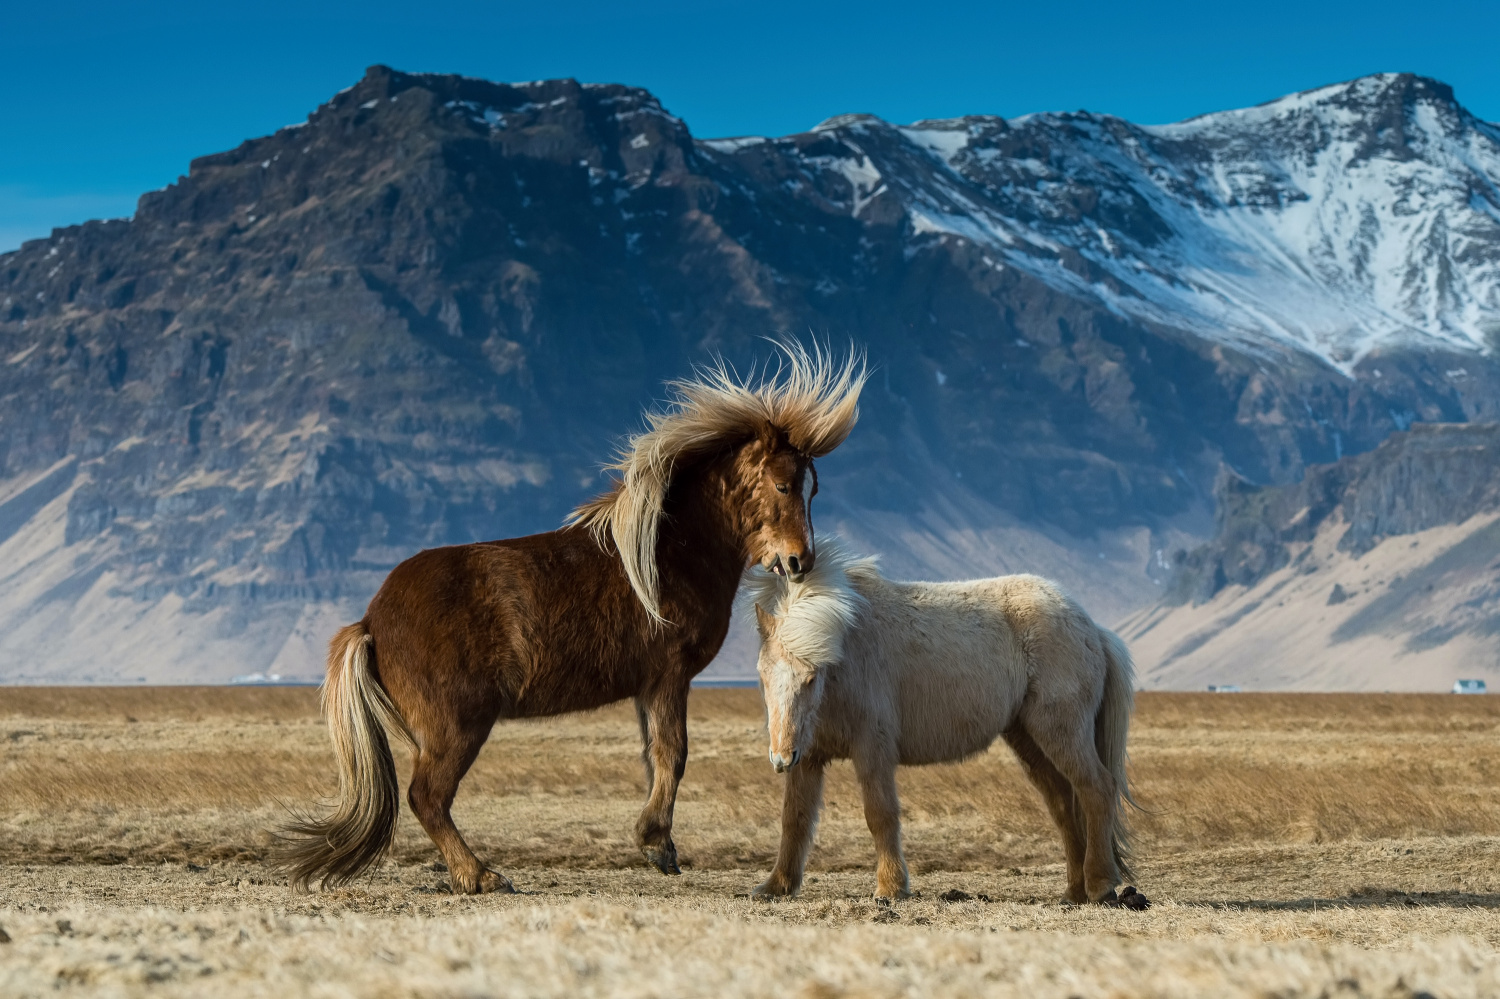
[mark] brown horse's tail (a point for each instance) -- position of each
(1111, 728)
(338, 848)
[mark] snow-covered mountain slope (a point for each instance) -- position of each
(1336, 221)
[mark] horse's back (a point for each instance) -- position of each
(965, 657)
(950, 665)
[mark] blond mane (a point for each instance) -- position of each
(807, 397)
(812, 616)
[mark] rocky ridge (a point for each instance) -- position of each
(1429, 476)
(1380, 571)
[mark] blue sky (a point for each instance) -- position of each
(104, 100)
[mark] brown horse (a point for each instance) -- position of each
(631, 599)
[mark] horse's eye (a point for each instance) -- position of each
(782, 487)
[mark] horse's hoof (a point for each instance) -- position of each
(488, 883)
(887, 897)
(1128, 898)
(663, 858)
(769, 889)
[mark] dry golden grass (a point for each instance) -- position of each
(199, 774)
(1291, 842)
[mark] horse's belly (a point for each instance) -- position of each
(918, 752)
(939, 729)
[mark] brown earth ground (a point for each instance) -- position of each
(1294, 845)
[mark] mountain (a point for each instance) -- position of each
(1336, 222)
(1378, 572)
(425, 316)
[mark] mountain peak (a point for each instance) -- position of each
(1370, 98)
(855, 120)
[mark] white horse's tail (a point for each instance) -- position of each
(1111, 729)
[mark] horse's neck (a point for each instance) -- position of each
(700, 545)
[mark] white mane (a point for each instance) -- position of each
(813, 615)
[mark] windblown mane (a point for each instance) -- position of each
(814, 402)
(813, 615)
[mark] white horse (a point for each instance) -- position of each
(856, 666)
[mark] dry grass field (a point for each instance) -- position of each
(1295, 845)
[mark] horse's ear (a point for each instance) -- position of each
(765, 436)
(764, 622)
(772, 438)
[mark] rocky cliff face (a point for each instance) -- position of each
(1427, 477)
(423, 317)
(1380, 571)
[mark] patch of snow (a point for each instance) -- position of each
(945, 143)
(734, 145)
(865, 181)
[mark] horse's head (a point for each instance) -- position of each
(802, 640)
(778, 483)
(740, 453)
(793, 689)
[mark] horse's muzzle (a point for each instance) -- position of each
(791, 567)
(782, 764)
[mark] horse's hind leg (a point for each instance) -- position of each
(440, 764)
(1058, 794)
(664, 730)
(876, 772)
(1066, 736)
(643, 718)
(799, 819)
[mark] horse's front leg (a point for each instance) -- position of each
(799, 820)
(876, 771)
(664, 730)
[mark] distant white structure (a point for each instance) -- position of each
(1229, 688)
(1468, 687)
(256, 678)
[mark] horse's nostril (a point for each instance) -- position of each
(794, 564)
(796, 755)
